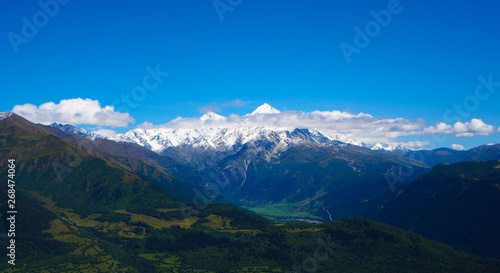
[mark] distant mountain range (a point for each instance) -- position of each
(445, 155)
(213, 135)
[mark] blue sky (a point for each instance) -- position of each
(426, 61)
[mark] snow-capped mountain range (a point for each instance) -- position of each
(221, 137)
(213, 133)
(77, 131)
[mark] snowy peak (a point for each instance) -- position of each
(75, 130)
(343, 139)
(389, 147)
(265, 109)
(4, 115)
(211, 116)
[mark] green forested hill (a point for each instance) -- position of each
(177, 178)
(458, 204)
(71, 176)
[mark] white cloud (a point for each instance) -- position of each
(475, 127)
(358, 126)
(205, 109)
(237, 103)
(146, 125)
(216, 108)
(74, 111)
(457, 147)
(415, 145)
(105, 132)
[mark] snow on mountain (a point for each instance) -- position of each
(4, 115)
(343, 139)
(389, 147)
(75, 130)
(223, 136)
(212, 117)
(212, 132)
(218, 138)
(265, 109)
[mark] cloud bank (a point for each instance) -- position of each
(475, 127)
(358, 126)
(74, 111)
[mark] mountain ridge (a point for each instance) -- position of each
(457, 204)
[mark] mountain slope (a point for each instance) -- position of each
(73, 177)
(32, 219)
(315, 181)
(75, 130)
(457, 204)
(178, 179)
